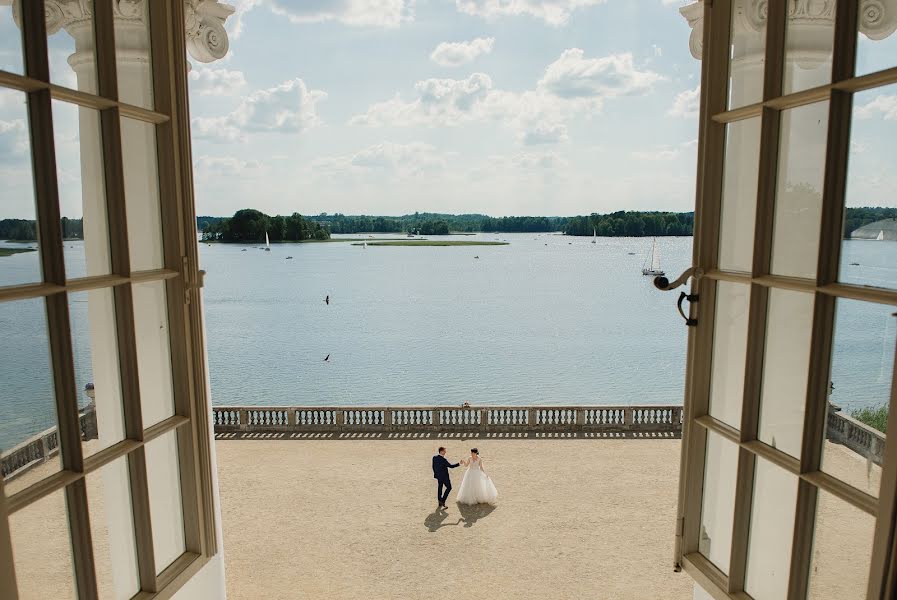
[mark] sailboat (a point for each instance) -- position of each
(594, 235)
(267, 243)
(652, 264)
(881, 236)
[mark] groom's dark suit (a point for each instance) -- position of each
(441, 473)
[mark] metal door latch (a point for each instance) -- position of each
(689, 322)
(663, 284)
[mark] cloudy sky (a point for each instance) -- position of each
(554, 107)
(393, 106)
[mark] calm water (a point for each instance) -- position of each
(545, 320)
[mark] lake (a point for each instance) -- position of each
(547, 319)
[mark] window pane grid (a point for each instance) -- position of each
(824, 286)
(54, 289)
(81, 98)
(810, 96)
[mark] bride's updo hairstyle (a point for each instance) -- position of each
(474, 451)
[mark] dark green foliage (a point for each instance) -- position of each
(432, 223)
(873, 417)
(857, 217)
(622, 223)
(249, 225)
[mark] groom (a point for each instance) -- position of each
(441, 474)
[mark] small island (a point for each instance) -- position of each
(11, 251)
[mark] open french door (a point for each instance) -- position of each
(785, 313)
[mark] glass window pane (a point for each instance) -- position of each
(142, 194)
(70, 45)
(19, 255)
(809, 38)
(95, 346)
(739, 201)
(132, 55)
(747, 53)
(869, 251)
(718, 503)
(42, 550)
(82, 192)
(771, 531)
(27, 400)
(876, 42)
(842, 550)
(729, 348)
(112, 530)
(786, 362)
(861, 372)
(10, 42)
(799, 190)
(163, 477)
(153, 351)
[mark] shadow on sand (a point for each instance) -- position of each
(470, 514)
(435, 520)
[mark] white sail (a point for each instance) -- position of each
(594, 235)
(652, 263)
(267, 243)
(881, 236)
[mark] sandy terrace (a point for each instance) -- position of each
(356, 520)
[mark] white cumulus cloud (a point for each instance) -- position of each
(553, 12)
(686, 104)
(287, 108)
(356, 13)
(455, 54)
(572, 86)
(208, 81)
(883, 105)
(574, 76)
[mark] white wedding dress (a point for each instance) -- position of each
(476, 487)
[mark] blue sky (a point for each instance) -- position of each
(554, 107)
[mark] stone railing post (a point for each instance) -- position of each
(484, 419)
(244, 419)
(629, 418)
(387, 418)
(340, 415)
(580, 418)
(531, 417)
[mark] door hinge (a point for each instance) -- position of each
(680, 526)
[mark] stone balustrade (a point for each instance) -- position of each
(40, 448)
(866, 441)
(600, 421)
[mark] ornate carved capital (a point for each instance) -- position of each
(877, 18)
(206, 37)
(694, 14)
(204, 23)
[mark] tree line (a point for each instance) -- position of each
(25, 230)
(249, 225)
(437, 223)
(632, 224)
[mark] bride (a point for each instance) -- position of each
(476, 487)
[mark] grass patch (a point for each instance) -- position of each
(11, 251)
(433, 243)
(873, 417)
